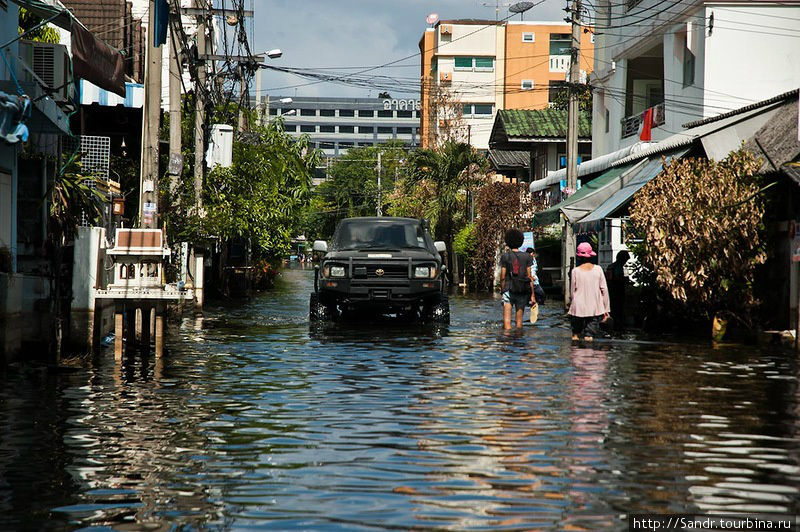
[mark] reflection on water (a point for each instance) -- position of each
(253, 421)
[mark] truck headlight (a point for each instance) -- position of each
(425, 272)
(333, 270)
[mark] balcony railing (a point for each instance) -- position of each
(559, 63)
(630, 124)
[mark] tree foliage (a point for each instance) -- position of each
(352, 187)
(260, 197)
(701, 223)
(501, 206)
(28, 20)
(451, 171)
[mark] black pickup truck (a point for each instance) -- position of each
(384, 265)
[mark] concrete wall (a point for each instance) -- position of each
(90, 318)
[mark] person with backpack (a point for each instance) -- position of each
(516, 278)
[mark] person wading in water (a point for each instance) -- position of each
(516, 278)
(589, 303)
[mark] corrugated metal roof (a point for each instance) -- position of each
(509, 158)
(541, 123)
(757, 105)
(584, 200)
(634, 182)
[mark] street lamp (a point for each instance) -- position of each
(275, 53)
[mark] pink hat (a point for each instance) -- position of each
(585, 250)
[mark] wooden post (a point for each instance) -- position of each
(174, 109)
(130, 336)
(159, 331)
(119, 333)
(146, 331)
(199, 116)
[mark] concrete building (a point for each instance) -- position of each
(692, 60)
(337, 124)
(488, 66)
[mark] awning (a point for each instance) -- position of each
(591, 166)
(587, 198)
(634, 182)
(92, 94)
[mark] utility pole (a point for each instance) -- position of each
(242, 99)
(175, 155)
(148, 176)
(380, 213)
(259, 111)
(572, 143)
(199, 116)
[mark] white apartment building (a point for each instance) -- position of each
(687, 60)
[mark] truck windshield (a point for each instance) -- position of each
(358, 234)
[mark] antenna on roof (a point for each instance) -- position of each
(432, 19)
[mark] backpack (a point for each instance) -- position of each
(520, 284)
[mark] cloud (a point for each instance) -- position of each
(328, 34)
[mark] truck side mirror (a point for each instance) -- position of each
(321, 246)
(440, 246)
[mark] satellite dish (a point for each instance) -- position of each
(432, 19)
(520, 7)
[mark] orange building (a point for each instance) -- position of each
(486, 66)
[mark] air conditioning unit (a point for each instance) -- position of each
(50, 63)
(446, 29)
(445, 77)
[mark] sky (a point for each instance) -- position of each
(331, 34)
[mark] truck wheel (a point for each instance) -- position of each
(438, 312)
(318, 311)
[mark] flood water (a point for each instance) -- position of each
(255, 422)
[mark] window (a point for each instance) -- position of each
(405, 114)
(403, 130)
(484, 64)
(463, 63)
(327, 112)
(290, 128)
(327, 129)
(346, 129)
(366, 113)
(591, 37)
(347, 112)
(560, 43)
(608, 121)
(478, 64)
(366, 129)
(527, 84)
(384, 129)
(556, 91)
(326, 145)
(308, 129)
(528, 37)
(308, 112)
(478, 110)
(346, 144)
(385, 114)
(273, 111)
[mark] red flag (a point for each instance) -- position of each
(646, 127)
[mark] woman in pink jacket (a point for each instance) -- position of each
(590, 304)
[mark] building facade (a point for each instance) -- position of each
(691, 61)
(486, 66)
(338, 124)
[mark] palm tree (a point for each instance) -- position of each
(453, 168)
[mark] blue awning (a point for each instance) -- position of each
(633, 183)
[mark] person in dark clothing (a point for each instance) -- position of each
(617, 281)
(516, 278)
